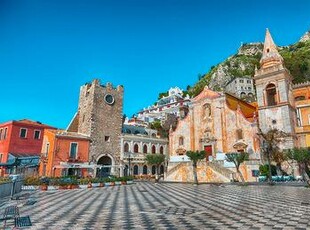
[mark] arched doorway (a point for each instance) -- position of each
(161, 169)
(145, 169)
(126, 170)
(153, 170)
(104, 171)
(135, 170)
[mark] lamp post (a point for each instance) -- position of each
(129, 164)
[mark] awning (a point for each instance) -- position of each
(19, 160)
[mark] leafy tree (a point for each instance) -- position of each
(302, 157)
(195, 157)
(161, 95)
(238, 159)
(163, 132)
(270, 147)
(155, 159)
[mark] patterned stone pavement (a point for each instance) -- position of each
(145, 205)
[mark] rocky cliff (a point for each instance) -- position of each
(244, 62)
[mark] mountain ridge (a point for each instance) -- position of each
(243, 63)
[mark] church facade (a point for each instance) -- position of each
(221, 123)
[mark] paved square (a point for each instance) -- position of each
(145, 205)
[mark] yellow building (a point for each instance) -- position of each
(301, 94)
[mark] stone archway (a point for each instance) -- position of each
(105, 162)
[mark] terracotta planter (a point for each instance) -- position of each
(69, 186)
(63, 186)
(89, 185)
(44, 187)
(123, 182)
(101, 184)
(75, 186)
(112, 183)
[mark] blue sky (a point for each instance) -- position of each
(48, 49)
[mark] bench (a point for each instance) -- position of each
(23, 221)
(10, 212)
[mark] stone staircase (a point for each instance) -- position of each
(175, 168)
(183, 171)
(219, 168)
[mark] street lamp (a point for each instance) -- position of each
(129, 163)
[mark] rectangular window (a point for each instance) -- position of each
(1, 130)
(73, 150)
(107, 138)
(37, 134)
(239, 134)
(23, 133)
(5, 133)
(241, 81)
(47, 148)
(249, 81)
(249, 88)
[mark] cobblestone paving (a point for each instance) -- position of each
(170, 206)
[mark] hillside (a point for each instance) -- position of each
(296, 58)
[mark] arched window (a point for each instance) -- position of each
(135, 170)
(181, 140)
(144, 148)
(126, 147)
(161, 150)
(271, 93)
(136, 148)
(153, 149)
(250, 95)
(242, 94)
(153, 170)
(145, 169)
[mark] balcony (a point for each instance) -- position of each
(134, 157)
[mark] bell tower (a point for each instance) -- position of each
(273, 83)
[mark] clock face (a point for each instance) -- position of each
(109, 99)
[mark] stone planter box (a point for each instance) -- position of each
(118, 182)
(83, 186)
(30, 187)
(52, 187)
(95, 185)
(130, 182)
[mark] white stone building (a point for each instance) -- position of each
(171, 104)
(136, 142)
(241, 87)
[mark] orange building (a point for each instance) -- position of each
(64, 154)
(301, 94)
(20, 146)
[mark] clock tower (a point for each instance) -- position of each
(99, 116)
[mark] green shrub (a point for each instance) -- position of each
(264, 170)
(4, 180)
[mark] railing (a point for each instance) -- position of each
(6, 188)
